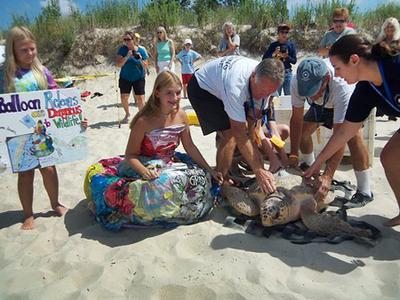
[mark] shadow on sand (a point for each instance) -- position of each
(99, 125)
(12, 217)
(79, 220)
(317, 256)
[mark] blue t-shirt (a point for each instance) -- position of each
(132, 70)
(187, 58)
(290, 60)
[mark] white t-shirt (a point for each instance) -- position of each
(339, 95)
(227, 78)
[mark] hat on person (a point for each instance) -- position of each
(310, 75)
(188, 41)
(283, 27)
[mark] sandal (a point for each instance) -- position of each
(85, 94)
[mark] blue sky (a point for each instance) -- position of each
(32, 7)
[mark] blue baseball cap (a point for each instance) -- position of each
(310, 75)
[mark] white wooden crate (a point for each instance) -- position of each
(283, 112)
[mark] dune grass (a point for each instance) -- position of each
(51, 25)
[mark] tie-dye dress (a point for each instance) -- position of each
(119, 197)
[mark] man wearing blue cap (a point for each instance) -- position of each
(328, 97)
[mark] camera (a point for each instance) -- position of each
(283, 49)
(136, 54)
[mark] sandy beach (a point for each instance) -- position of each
(73, 257)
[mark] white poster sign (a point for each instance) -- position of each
(40, 129)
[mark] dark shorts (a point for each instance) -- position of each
(320, 114)
(126, 86)
(186, 78)
(209, 109)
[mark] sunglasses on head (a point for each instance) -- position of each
(339, 21)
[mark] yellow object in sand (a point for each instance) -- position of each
(192, 117)
(81, 77)
(277, 142)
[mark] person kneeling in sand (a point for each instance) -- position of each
(267, 135)
(328, 97)
(218, 92)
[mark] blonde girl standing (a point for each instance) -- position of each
(23, 72)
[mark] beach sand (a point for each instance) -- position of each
(73, 257)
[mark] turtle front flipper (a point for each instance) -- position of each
(240, 200)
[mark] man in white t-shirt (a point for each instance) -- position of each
(328, 97)
(218, 92)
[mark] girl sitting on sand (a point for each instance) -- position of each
(154, 184)
(23, 72)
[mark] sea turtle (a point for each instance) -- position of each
(292, 200)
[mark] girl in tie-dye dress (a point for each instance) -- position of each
(153, 184)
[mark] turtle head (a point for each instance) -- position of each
(274, 211)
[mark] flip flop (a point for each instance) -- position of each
(96, 94)
(85, 94)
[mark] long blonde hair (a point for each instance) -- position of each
(152, 107)
(164, 31)
(382, 34)
(19, 33)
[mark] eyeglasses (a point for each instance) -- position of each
(339, 21)
(127, 40)
(284, 32)
(158, 32)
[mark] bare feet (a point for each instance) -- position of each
(28, 224)
(393, 222)
(60, 210)
(125, 120)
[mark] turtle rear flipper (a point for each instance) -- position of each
(327, 225)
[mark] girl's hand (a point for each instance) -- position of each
(313, 170)
(219, 178)
(324, 185)
(150, 174)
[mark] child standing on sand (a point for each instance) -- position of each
(23, 72)
(187, 57)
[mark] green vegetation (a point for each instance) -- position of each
(61, 30)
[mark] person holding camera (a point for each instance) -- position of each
(284, 50)
(132, 59)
